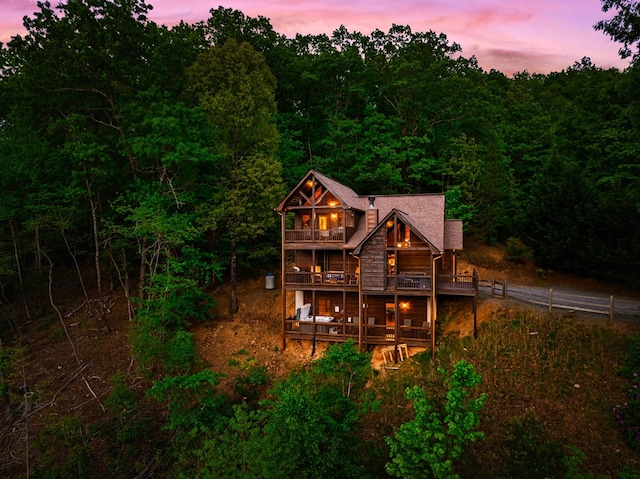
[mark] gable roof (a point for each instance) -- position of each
(406, 220)
(343, 193)
(425, 213)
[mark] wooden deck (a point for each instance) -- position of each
(459, 285)
(374, 334)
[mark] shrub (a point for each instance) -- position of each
(627, 414)
(64, 450)
(530, 453)
(434, 440)
(256, 377)
(516, 251)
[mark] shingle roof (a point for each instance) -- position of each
(425, 212)
(346, 195)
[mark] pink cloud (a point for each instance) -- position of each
(537, 36)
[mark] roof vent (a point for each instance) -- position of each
(372, 200)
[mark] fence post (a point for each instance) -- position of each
(550, 299)
(611, 308)
(504, 290)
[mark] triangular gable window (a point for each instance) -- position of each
(399, 234)
(313, 193)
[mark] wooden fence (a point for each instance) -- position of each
(498, 288)
(613, 307)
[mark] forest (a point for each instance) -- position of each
(150, 159)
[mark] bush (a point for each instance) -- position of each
(516, 251)
(530, 453)
(627, 414)
(63, 450)
(429, 445)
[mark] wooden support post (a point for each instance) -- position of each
(475, 317)
(611, 308)
(283, 284)
(550, 299)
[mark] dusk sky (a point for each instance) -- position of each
(539, 36)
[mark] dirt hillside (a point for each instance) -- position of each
(256, 327)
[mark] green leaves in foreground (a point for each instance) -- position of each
(434, 440)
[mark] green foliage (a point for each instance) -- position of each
(530, 452)
(624, 26)
(63, 450)
(515, 251)
(310, 431)
(235, 450)
(631, 362)
(174, 299)
(345, 369)
(192, 400)
(236, 90)
(455, 207)
(430, 444)
(627, 414)
(307, 427)
(159, 347)
(128, 434)
(11, 357)
(250, 385)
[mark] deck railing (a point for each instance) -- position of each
(458, 283)
(340, 330)
(321, 278)
(411, 281)
(314, 236)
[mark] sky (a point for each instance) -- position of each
(539, 36)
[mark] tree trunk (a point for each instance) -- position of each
(16, 252)
(38, 251)
(124, 281)
(78, 272)
(57, 310)
(233, 305)
(143, 268)
(96, 257)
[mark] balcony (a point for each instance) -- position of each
(461, 284)
(410, 281)
(314, 236)
(325, 278)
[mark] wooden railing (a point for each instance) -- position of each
(460, 283)
(321, 278)
(339, 330)
(314, 236)
(412, 281)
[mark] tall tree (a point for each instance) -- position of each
(236, 89)
(624, 27)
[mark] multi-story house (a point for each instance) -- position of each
(369, 268)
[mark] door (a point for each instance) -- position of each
(390, 317)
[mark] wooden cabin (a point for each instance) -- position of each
(369, 268)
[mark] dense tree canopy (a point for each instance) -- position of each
(151, 159)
